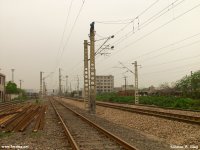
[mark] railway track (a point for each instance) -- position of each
(166, 115)
(146, 105)
(84, 134)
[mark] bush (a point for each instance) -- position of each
(162, 101)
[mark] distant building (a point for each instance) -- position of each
(104, 84)
(117, 89)
(128, 87)
(2, 87)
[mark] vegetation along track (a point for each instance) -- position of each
(84, 134)
(166, 115)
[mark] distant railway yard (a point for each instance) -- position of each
(64, 123)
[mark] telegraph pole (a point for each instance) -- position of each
(86, 75)
(13, 75)
(70, 87)
(125, 83)
(136, 83)
(60, 90)
(66, 84)
(92, 102)
(20, 84)
(41, 84)
(78, 86)
(44, 89)
(191, 82)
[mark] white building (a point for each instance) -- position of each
(2, 87)
(104, 84)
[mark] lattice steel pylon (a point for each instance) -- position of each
(92, 101)
(86, 75)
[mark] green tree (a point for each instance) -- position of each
(190, 85)
(11, 88)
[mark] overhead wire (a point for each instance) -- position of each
(166, 46)
(127, 23)
(129, 34)
(63, 33)
(178, 48)
(172, 61)
(149, 33)
(70, 33)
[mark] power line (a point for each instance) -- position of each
(176, 60)
(70, 33)
(143, 24)
(127, 21)
(72, 28)
(164, 47)
(63, 33)
(187, 45)
(156, 29)
(171, 69)
(196, 6)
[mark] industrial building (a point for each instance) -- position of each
(104, 84)
(2, 87)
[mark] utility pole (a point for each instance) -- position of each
(66, 84)
(136, 83)
(86, 75)
(70, 87)
(20, 84)
(78, 86)
(44, 88)
(13, 75)
(191, 82)
(60, 90)
(41, 84)
(92, 102)
(125, 83)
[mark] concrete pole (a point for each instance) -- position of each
(60, 88)
(41, 84)
(86, 75)
(136, 84)
(92, 102)
(66, 84)
(13, 75)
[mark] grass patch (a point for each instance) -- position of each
(38, 101)
(5, 134)
(35, 134)
(161, 101)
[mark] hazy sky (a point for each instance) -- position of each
(165, 42)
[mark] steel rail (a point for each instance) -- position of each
(172, 116)
(151, 106)
(67, 132)
(166, 115)
(102, 130)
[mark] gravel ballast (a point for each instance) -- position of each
(172, 132)
(51, 137)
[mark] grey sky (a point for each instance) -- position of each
(31, 31)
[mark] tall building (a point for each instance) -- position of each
(104, 84)
(2, 87)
